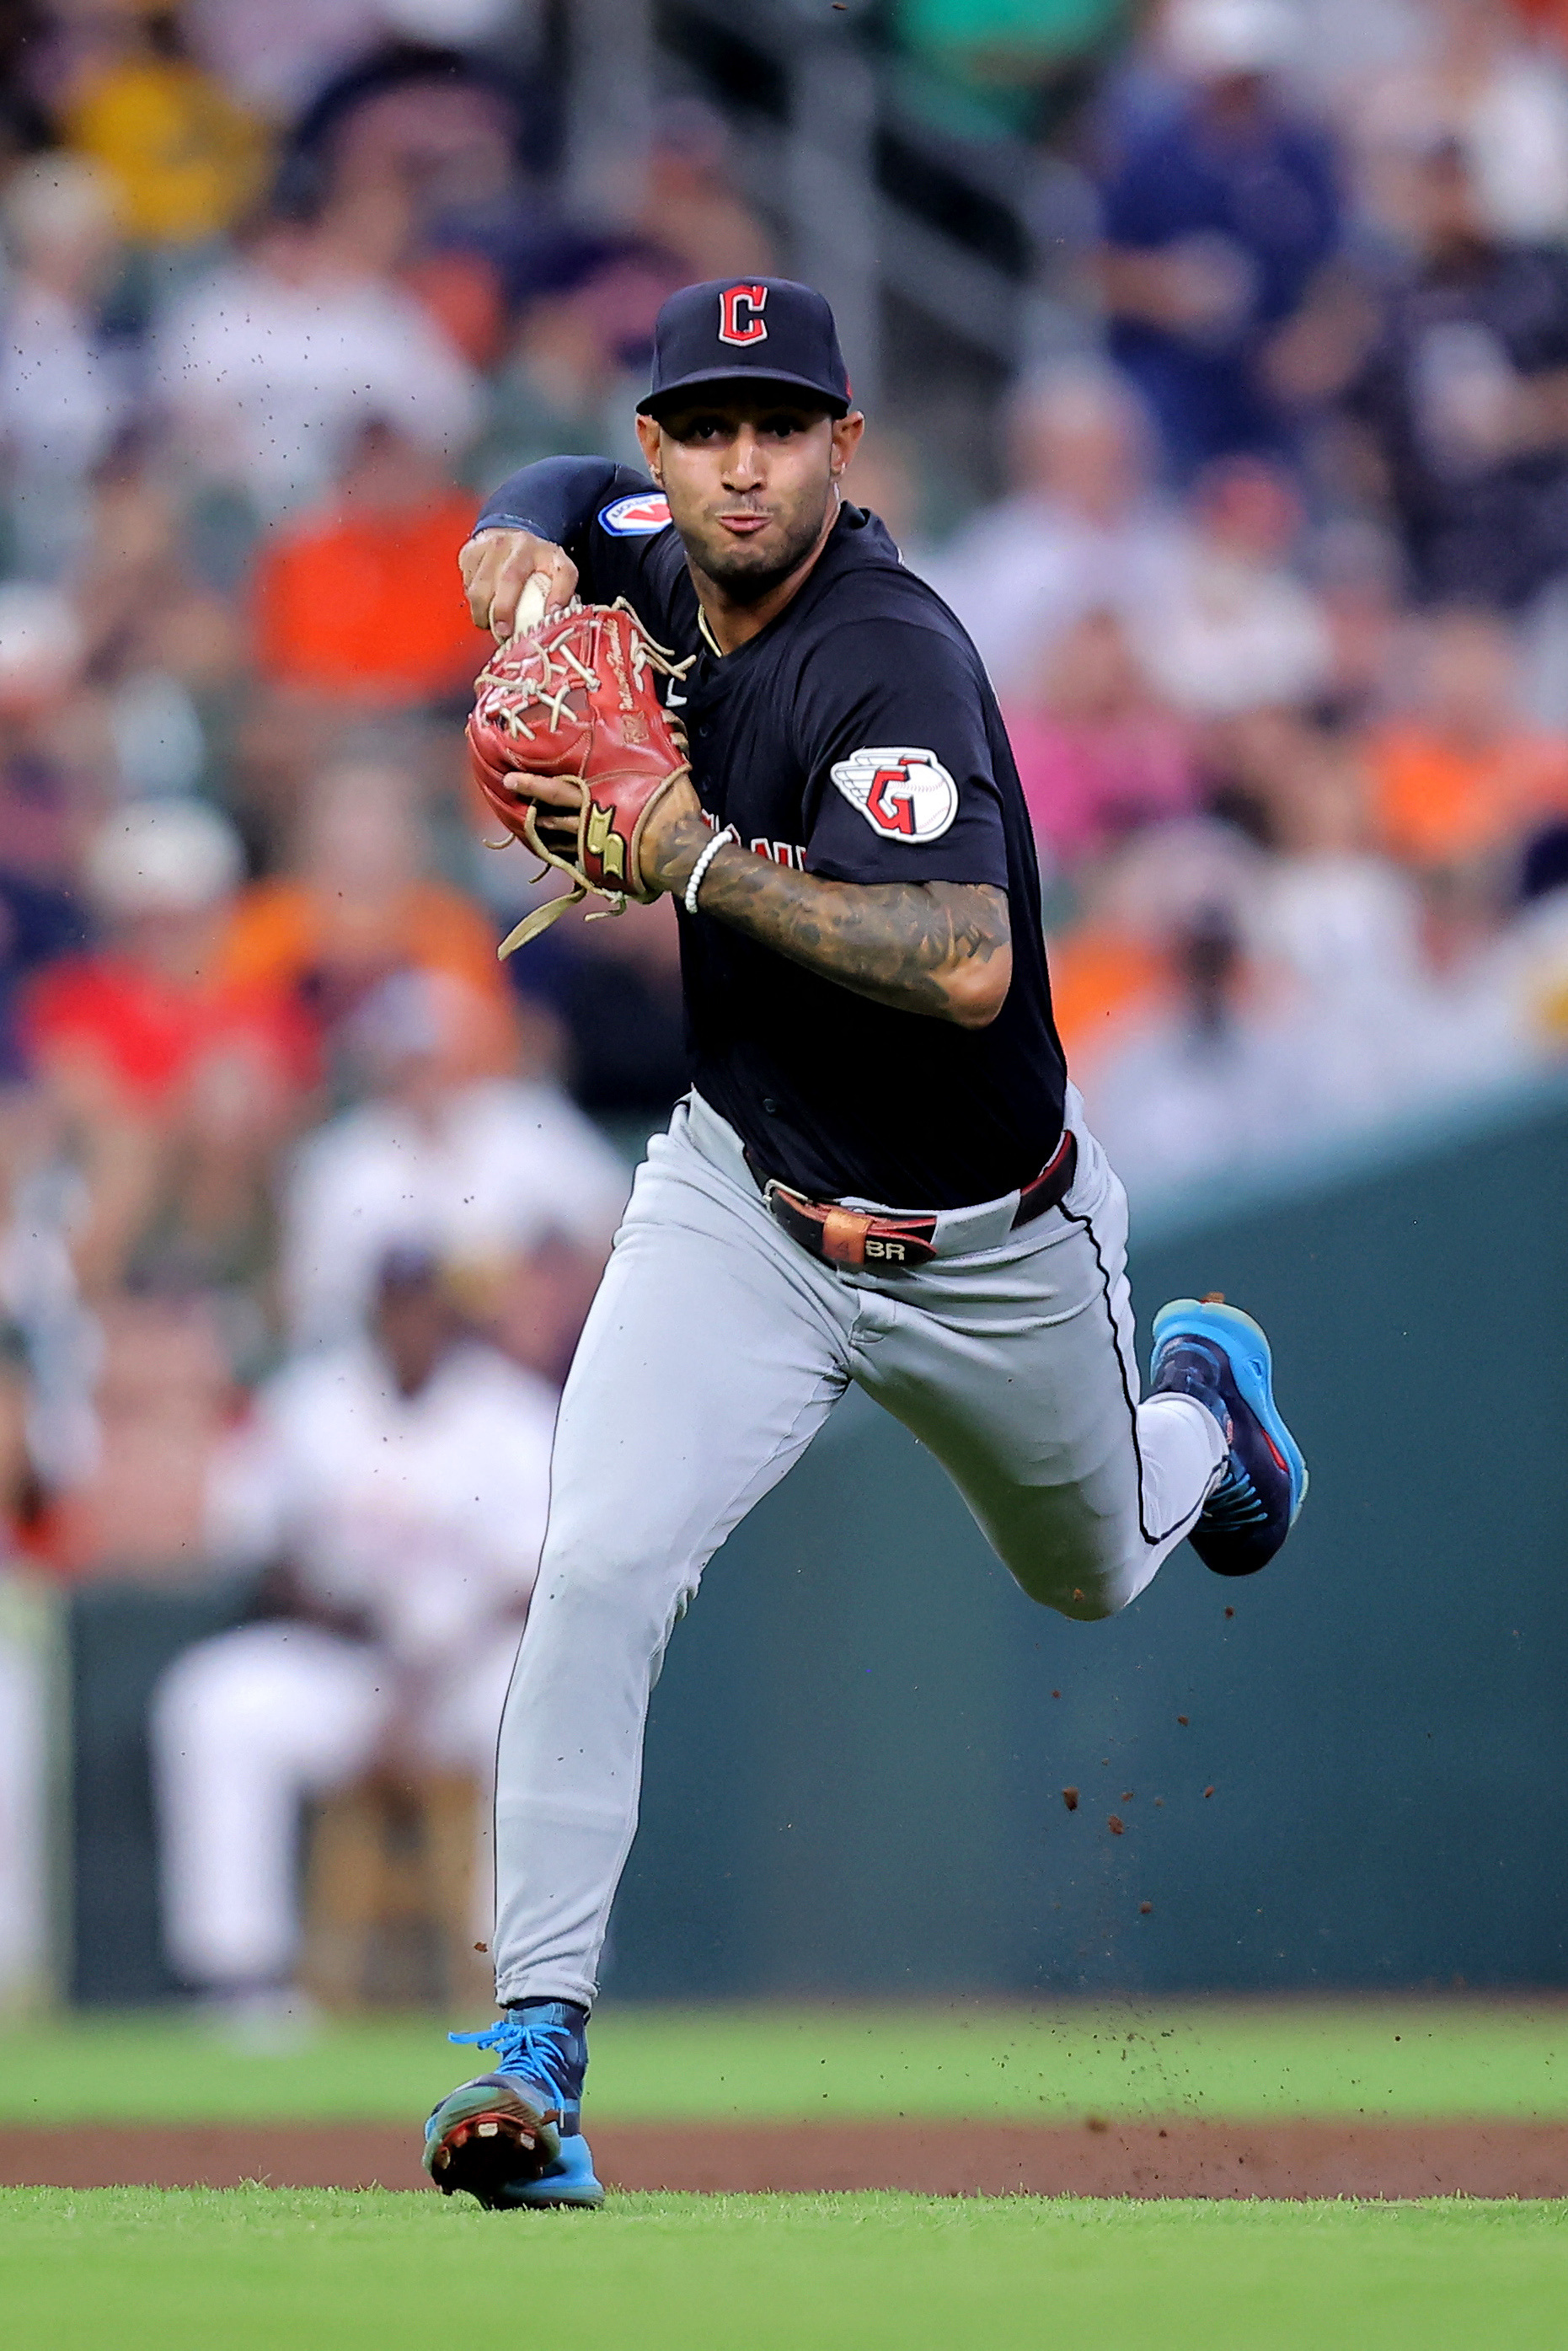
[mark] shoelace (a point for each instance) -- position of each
(539, 2051)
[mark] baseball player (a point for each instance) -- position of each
(880, 1175)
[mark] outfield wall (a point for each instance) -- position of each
(856, 1759)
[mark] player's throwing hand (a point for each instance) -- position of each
(497, 567)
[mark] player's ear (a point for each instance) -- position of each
(847, 430)
(648, 438)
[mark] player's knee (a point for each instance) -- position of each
(1087, 1603)
(615, 1568)
(1079, 1573)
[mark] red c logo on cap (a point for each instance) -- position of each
(740, 319)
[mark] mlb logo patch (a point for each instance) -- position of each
(645, 512)
(904, 793)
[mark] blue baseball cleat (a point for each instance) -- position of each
(513, 2139)
(1217, 1355)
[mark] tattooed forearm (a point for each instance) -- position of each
(944, 949)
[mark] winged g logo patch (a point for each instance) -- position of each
(904, 794)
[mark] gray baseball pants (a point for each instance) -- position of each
(715, 1351)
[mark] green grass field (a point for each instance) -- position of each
(1409, 2058)
(263, 2270)
(255, 2269)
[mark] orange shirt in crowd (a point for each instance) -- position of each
(370, 606)
(1102, 979)
(1437, 804)
(150, 1034)
(286, 935)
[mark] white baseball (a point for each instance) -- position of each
(532, 603)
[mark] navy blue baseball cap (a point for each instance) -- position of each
(761, 330)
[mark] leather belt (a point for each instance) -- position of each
(881, 1243)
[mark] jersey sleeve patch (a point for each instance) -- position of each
(903, 794)
(637, 517)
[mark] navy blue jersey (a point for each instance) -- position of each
(856, 736)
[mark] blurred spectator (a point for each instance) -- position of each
(186, 161)
(54, 746)
(889, 478)
(691, 208)
(19, 1483)
(1500, 100)
(1339, 913)
(1358, 578)
(1215, 1085)
(1079, 532)
(279, 58)
(1232, 628)
(275, 60)
(361, 903)
(362, 601)
(532, 1303)
(174, 1081)
(270, 369)
(1100, 754)
(395, 1491)
(1016, 65)
(62, 398)
(1111, 968)
(443, 1155)
(1304, 994)
(1392, 1015)
(163, 1400)
(418, 146)
(567, 383)
(1464, 776)
(39, 922)
(55, 754)
(1463, 401)
(1217, 220)
(165, 649)
(1529, 962)
(51, 1343)
(1104, 978)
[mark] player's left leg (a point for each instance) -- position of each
(1016, 1367)
(714, 1352)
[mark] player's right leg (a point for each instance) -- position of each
(1016, 1368)
(714, 1352)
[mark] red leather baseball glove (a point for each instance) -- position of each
(578, 698)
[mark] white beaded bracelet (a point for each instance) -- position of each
(720, 840)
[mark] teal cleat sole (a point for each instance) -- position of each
(568, 2185)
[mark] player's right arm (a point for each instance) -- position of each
(523, 532)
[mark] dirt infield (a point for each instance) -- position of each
(1177, 2157)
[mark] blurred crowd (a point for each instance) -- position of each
(1277, 599)
(302, 1193)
